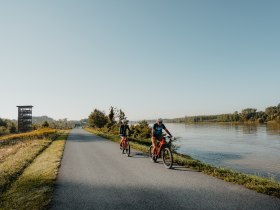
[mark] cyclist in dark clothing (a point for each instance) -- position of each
(123, 130)
(157, 132)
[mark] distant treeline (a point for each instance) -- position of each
(45, 121)
(249, 115)
(10, 126)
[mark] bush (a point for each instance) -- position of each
(7, 127)
(142, 130)
(3, 130)
(45, 124)
(97, 119)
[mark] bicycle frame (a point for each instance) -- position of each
(161, 145)
(124, 146)
(124, 142)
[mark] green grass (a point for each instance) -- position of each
(33, 189)
(19, 150)
(14, 164)
(259, 184)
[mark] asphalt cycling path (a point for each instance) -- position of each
(95, 175)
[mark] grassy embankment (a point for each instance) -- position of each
(18, 151)
(259, 184)
(38, 134)
(29, 166)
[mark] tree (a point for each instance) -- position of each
(236, 116)
(45, 124)
(271, 112)
(3, 123)
(3, 130)
(7, 127)
(111, 115)
(121, 116)
(97, 119)
(142, 130)
(13, 128)
(248, 114)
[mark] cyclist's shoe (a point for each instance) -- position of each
(154, 157)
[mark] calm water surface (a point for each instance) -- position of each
(249, 149)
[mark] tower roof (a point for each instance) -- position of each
(27, 106)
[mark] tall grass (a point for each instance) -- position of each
(33, 189)
(16, 157)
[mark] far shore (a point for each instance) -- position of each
(277, 123)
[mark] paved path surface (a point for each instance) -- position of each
(94, 175)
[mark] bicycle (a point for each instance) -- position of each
(163, 150)
(125, 146)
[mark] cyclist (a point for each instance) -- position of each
(124, 127)
(157, 133)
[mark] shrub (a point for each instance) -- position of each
(97, 119)
(142, 130)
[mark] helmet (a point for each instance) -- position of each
(159, 120)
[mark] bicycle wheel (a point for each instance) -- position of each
(167, 158)
(128, 150)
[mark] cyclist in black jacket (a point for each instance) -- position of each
(123, 130)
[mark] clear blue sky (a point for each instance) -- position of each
(151, 58)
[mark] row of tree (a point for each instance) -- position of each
(111, 123)
(249, 115)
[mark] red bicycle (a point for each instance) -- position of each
(125, 146)
(163, 150)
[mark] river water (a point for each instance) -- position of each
(249, 149)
